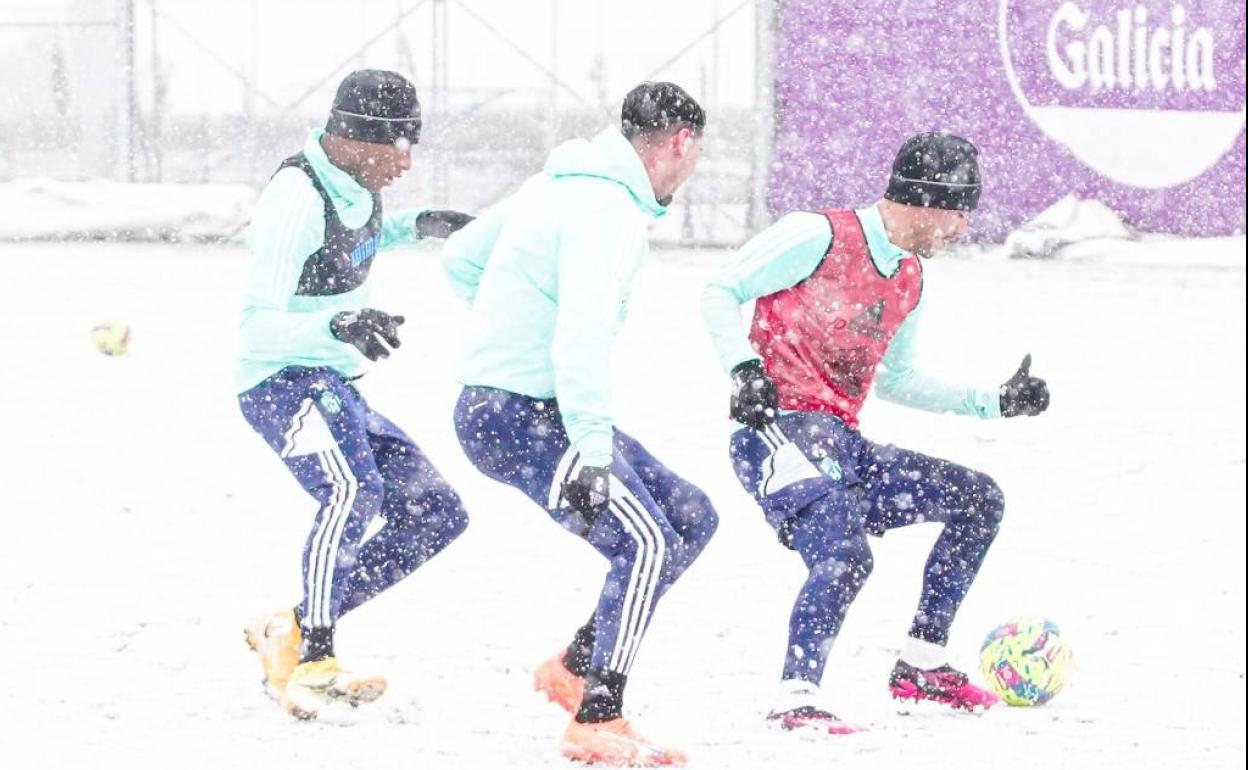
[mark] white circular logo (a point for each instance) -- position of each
(1149, 94)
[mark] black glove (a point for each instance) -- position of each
(754, 399)
(440, 224)
(1024, 394)
(589, 492)
(786, 532)
(366, 329)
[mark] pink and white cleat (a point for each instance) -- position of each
(945, 685)
(809, 719)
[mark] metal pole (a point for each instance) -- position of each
(362, 15)
(129, 109)
(764, 110)
(712, 97)
(256, 156)
(600, 60)
(440, 49)
(157, 116)
(249, 85)
(711, 92)
(552, 111)
(398, 38)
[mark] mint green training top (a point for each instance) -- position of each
(787, 253)
(548, 272)
(280, 328)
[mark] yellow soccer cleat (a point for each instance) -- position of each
(276, 639)
(317, 683)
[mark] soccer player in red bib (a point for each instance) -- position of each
(838, 298)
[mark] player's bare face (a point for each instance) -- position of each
(374, 165)
(933, 230)
(677, 160)
(381, 164)
(687, 161)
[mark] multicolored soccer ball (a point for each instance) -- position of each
(1026, 661)
(112, 338)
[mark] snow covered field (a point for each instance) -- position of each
(145, 523)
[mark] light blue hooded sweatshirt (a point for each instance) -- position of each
(548, 272)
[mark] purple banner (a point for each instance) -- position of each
(1137, 103)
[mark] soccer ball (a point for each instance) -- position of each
(112, 338)
(1026, 661)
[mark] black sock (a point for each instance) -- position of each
(318, 644)
(299, 614)
(604, 696)
(579, 653)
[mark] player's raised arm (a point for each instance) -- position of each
(594, 259)
(775, 259)
(901, 381)
(468, 250)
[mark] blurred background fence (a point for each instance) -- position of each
(187, 91)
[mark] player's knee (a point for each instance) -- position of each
(708, 526)
(990, 502)
(440, 510)
(454, 517)
(678, 556)
(849, 567)
(634, 558)
(661, 548)
(861, 566)
(369, 493)
(702, 520)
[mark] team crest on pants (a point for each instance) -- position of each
(330, 404)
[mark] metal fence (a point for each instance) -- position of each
(190, 92)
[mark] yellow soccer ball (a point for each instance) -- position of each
(1026, 661)
(112, 338)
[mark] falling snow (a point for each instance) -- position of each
(148, 524)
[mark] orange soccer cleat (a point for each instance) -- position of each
(275, 638)
(616, 743)
(558, 684)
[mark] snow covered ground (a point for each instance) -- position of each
(100, 210)
(145, 523)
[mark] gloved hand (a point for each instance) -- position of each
(786, 532)
(366, 329)
(1024, 394)
(589, 492)
(440, 224)
(754, 398)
